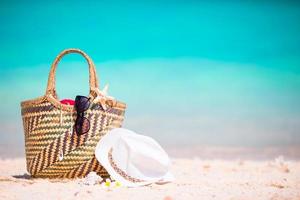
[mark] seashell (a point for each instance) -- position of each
(92, 179)
(61, 155)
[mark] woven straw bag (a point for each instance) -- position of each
(52, 149)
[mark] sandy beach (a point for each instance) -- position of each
(195, 179)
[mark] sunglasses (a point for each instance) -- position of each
(82, 124)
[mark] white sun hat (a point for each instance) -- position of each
(133, 159)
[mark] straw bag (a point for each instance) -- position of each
(52, 148)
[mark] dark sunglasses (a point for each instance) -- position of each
(82, 124)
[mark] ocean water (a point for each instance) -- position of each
(209, 73)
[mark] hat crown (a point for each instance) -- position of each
(140, 156)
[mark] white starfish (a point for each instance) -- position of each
(105, 90)
(103, 96)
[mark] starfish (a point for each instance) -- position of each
(103, 96)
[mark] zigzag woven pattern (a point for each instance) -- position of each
(52, 149)
(49, 134)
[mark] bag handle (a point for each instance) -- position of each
(51, 79)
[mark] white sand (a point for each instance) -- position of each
(196, 179)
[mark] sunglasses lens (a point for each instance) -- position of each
(82, 103)
(82, 125)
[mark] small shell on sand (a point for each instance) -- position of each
(92, 179)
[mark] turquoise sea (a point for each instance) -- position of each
(193, 73)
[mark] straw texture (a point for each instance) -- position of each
(52, 149)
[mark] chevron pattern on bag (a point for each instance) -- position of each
(52, 149)
(46, 138)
